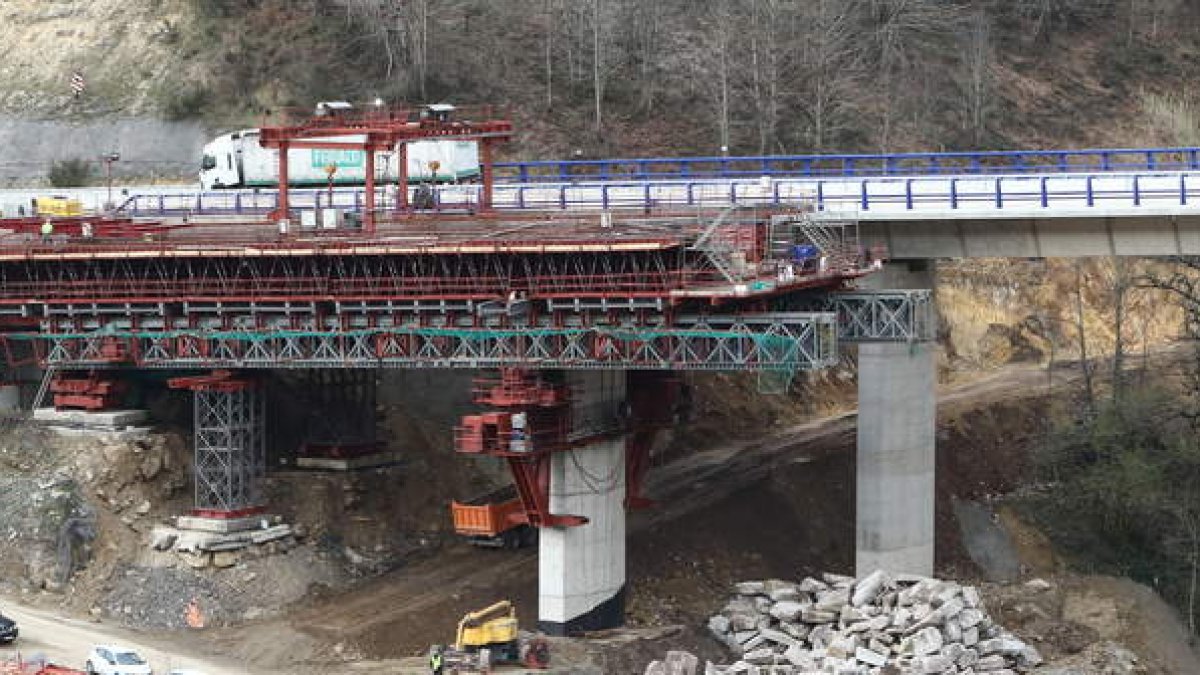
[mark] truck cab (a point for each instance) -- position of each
(8, 630)
(220, 164)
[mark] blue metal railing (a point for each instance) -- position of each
(879, 196)
(899, 164)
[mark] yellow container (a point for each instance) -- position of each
(59, 206)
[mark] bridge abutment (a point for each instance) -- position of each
(896, 444)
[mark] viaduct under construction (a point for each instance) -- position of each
(581, 322)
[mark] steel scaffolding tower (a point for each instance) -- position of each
(230, 445)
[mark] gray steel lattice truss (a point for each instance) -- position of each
(883, 316)
(780, 341)
(230, 449)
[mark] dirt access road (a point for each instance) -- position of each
(66, 642)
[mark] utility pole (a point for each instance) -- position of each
(108, 160)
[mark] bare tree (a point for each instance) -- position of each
(830, 60)
(902, 31)
(977, 74)
(551, 25)
(600, 55)
(1081, 330)
(704, 55)
(402, 28)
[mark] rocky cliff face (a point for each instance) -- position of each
(126, 50)
(129, 53)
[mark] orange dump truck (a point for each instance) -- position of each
(496, 519)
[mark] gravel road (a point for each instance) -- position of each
(67, 641)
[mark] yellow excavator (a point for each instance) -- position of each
(485, 638)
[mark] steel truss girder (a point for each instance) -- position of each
(344, 276)
(884, 315)
(772, 342)
(230, 449)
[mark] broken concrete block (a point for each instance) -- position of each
(933, 665)
(787, 610)
(815, 615)
(761, 656)
(812, 586)
(868, 589)
(843, 646)
(870, 656)
(656, 668)
(993, 662)
(970, 596)
(837, 580)
(749, 588)
(681, 663)
(923, 642)
(969, 618)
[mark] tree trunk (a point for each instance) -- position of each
(1089, 391)
(549, 54)
(597, 67)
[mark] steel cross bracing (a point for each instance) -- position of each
(882, 316)
(230, 449)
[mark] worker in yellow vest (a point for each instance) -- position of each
(47, 231)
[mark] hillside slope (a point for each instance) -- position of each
(619, 77)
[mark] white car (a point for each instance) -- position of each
(110, 660)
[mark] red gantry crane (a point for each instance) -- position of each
(382, 129)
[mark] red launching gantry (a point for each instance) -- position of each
(382, 129)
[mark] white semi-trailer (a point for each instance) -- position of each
(237, 160)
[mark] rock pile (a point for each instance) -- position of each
(876, 625)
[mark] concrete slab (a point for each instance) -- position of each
(127, 434)
(353, 464)
(223, 525)
(109, 419)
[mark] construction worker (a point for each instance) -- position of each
(47, 231)
(435, 661)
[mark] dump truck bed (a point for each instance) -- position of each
(493, 519)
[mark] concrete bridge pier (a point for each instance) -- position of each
(581, 570)
(897, 408)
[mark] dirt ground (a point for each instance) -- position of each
(780, 506)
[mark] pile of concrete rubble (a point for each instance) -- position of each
(877, 625)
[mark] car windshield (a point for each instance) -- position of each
(127, 659)
(208, 162)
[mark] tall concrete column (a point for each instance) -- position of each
(581, 570)
(897, 407)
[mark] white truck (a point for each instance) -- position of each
(237, 160)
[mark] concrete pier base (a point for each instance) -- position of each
(581, 570)
(897, 408)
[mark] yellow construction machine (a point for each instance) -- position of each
(487, 637)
